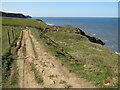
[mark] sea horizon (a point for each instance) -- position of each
(73, 17)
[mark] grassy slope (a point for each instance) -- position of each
(100, 62)
(96, 63)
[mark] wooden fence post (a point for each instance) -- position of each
(8, 34)
(13, 33)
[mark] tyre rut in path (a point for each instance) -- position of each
(54, 74)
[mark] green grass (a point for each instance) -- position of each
(9, 69)
(84, 50)
(13, 82)
(52, 76)
(5, 29)
(9, 56)
(37, 76)
(24, 50)
(23, 22)
(100, 62)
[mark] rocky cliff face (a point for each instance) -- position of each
(91, 37)
(17, 15)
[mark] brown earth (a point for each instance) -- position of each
(53, 73)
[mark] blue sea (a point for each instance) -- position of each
(104, 28)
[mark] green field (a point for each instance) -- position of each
(88, 60)
(23, 22)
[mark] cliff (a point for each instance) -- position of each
(16, 15)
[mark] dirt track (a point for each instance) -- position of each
(53, 73)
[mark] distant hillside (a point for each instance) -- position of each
(17, 15)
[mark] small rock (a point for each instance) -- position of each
(42, 71)
(54, 82)
(45, 53)
(106, 82)
(84, 66)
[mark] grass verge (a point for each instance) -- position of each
(9, 65)
(37, 76)
(13, 82)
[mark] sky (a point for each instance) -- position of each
(63, 9)
(60, 0)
